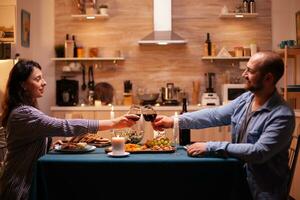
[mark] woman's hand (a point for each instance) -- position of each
(124, 121)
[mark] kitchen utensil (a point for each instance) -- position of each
(83, 86)
(91, 83)
(104, 92)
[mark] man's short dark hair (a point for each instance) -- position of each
(272, 63)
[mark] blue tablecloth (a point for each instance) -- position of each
(175, 175)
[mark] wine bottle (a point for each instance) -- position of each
(252, 6)
(208, 45)
(75, 47)
(184, 134)
(69, 47)
(246, 6)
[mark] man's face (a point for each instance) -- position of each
(254, 77)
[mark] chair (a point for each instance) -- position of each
(2, 145)
(293, 157)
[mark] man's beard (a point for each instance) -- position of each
(257, 87)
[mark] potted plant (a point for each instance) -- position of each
(103, 9)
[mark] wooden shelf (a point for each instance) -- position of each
(90, 17)
(289, 53)
(90, 59)
(238, 15)
(225, 58)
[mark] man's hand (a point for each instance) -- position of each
(162, 122)
(197, 149)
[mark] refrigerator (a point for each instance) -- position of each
(5, 67)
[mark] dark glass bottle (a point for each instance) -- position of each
(252, 8)
(75, 47)
(246, 6)
(184, 134)
(208, 45)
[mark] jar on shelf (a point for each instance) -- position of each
(238, 51)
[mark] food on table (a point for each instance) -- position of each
(73, 146)
(90, 138)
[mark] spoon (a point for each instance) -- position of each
(83, 86)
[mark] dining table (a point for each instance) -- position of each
(159, 175)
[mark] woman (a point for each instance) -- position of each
(28, 128)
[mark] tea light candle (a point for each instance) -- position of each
(118, 145)
(112, 113)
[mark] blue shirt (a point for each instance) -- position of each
(268, 136)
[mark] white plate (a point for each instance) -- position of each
(87, 148)
(118, 155)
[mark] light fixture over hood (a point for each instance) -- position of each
(162, 17)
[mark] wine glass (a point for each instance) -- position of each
(135, 112)
(149, 113)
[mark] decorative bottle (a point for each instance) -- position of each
(207, 45)
(69, 47)
(252, 6)
(246, 6)
(184, 134)
(75, 47)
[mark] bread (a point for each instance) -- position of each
(81, 145)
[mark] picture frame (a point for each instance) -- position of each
(25, 28)
(298, 28)
(8, 24)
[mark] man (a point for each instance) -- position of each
(262, 125)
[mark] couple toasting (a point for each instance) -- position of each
(262, 125)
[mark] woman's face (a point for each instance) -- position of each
(35, 83)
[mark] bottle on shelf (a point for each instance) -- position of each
(207, 46)
(246, 8)
(184, 134)
(75, 47)
(69, 47)
(252, 6)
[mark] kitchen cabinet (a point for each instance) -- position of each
(101, 113)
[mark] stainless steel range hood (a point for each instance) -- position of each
(162, 17)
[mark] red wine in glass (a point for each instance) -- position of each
(150, 117)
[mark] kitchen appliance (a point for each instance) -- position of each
(231, 91)
(67, 92)
(162, 20)
(210, 98)
(5, 50)
(169, 95)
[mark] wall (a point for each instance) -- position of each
(41, 43)
(284, 28)
(153, 66)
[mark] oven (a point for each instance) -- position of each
(231, 91)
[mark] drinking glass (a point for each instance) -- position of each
(135, 110)
(149, 113)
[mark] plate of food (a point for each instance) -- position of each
(91, 139)
(80, 147)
